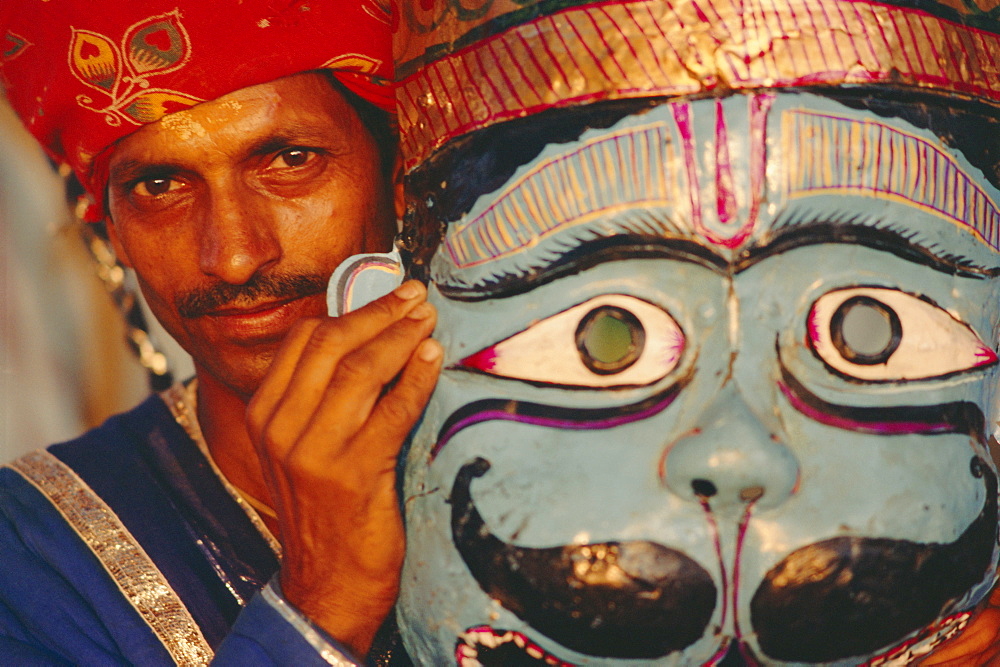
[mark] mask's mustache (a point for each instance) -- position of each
(614, 599)
(850, 596)
(828, 601)
(283, 286)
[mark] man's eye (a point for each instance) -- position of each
(153, 187)
(884, 335)
(608, 341)
(293, 157)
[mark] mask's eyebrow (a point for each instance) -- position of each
(579, 254)
(904, 243)
(631, 169)
(576, 255)
(876, 159)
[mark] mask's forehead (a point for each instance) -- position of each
(741, 177)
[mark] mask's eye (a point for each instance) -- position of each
(884, 335)
(609, 341)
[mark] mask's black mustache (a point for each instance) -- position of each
(613, 599)
(851, 596)
(197, 303)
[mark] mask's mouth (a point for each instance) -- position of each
(626, 600)
(486, 647)
(483, 646)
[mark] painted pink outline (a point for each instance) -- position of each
(879, 428)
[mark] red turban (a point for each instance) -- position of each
(82, 74)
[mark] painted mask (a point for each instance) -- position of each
(720, 378)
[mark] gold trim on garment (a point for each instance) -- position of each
(183, 403)
(128, 564)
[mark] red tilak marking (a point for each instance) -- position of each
(682, 117)
(760, 106)
(725, 198)
(727, 209)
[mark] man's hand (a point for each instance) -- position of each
(328, 422)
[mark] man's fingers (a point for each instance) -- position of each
(306, 362)
(396, 413)
(361, 377)
(369, 456)
(273, 387)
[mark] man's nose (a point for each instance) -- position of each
(238, 237)
(731, 459)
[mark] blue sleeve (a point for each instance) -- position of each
(270, 631)
(57, 604)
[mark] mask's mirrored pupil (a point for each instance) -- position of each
(609, 339)
(865, 331)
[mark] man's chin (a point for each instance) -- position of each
(240, 379)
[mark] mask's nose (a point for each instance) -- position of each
(730, 459)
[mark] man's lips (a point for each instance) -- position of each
(246, 311)
(262, 321)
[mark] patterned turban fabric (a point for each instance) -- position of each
(82, 74)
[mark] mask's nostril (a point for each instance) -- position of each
(703, 488)
(751, 493)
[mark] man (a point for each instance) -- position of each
(718, 289)
(236, 156)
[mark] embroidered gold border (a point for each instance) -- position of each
(645, 48)
(140, 581)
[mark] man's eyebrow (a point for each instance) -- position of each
(279, 142)
(133, 170)
(579, 255)
(297, 134)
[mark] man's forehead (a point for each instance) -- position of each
(728, 175)
(299, 104)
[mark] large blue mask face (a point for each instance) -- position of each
(719, 378)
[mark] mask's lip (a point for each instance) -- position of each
(483, 636)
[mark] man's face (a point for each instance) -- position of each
(235, 213)
(718, 378)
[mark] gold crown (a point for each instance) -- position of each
(462, 69)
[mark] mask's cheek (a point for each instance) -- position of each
(543, 491)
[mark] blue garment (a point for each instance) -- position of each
(124, 547)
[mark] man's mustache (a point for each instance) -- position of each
(270, 286)
(630, 600)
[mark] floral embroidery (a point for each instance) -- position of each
(156, 45)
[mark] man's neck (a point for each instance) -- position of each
(222, 416)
